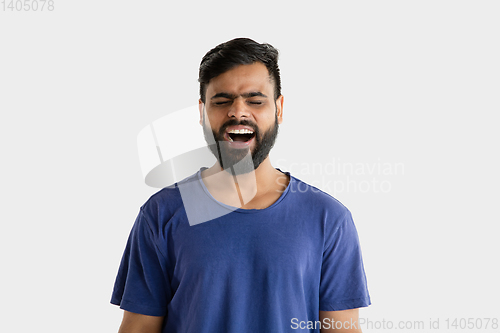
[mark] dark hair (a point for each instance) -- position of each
(239, 51)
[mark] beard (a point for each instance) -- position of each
(239, 161)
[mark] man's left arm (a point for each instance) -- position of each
(346, 321)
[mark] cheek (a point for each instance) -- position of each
(267, 121)
(211, 120)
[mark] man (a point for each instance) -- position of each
(277, 256)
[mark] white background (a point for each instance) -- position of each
(367, 84)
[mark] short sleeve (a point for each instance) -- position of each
(343, 281)
(142, 285)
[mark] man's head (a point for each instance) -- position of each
(239, 51)
(240, 101)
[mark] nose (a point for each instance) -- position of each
(238, 109)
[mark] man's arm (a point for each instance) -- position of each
(348, 318)
(138, 323)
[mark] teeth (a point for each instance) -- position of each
(242, 131)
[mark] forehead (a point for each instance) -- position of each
(240, 79)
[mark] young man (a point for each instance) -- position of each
(267, 253)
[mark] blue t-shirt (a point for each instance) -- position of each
(248, 270)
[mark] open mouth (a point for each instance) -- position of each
(242, 135)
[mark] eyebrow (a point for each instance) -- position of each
(233, 96)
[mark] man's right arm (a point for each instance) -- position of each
(138, 323)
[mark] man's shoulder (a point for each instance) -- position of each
(315, 197)
(167, 201)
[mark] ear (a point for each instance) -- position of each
(201, 107)
(279, 108)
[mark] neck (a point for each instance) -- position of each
(242, 190)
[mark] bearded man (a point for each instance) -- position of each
(241, 246)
